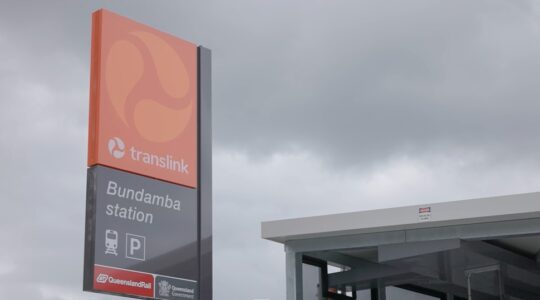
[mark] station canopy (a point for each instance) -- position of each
(484, 248)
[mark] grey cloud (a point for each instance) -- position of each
(379, 80)
(353, 81)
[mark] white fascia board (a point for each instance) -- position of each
(492, 209)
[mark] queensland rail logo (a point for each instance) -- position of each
(102, 278)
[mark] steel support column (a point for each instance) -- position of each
(379, 293)
(293, 271)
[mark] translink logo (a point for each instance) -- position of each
(116, 149)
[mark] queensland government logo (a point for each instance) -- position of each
(164, 288)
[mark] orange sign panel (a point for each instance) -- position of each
(143, 100)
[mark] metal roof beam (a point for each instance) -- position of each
(341, 259)
(347, 241)
(406, 250)
(476, 231)
(502, 255)
(366, 273)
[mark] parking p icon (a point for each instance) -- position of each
(135, 246)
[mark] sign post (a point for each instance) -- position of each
(148, 214)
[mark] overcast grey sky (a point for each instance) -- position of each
(319, 107)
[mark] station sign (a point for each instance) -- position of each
(149, 178)
(143, 236)
(143, 100)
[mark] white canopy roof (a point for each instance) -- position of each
(474, 211)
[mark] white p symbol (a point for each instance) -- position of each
(135, 246)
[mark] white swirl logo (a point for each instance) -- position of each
(116, 147)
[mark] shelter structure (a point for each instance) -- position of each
(484, 248)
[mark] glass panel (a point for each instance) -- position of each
(311, 279)
(485, 282)
(363, 295)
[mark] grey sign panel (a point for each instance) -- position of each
(141, 224)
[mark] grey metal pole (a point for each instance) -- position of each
(204, 189)
(501, 285)
(469, 286)
(379, 293)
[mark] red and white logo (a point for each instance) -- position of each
(102, 278)
(423, 210)
(116, 147)
(123, 281)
